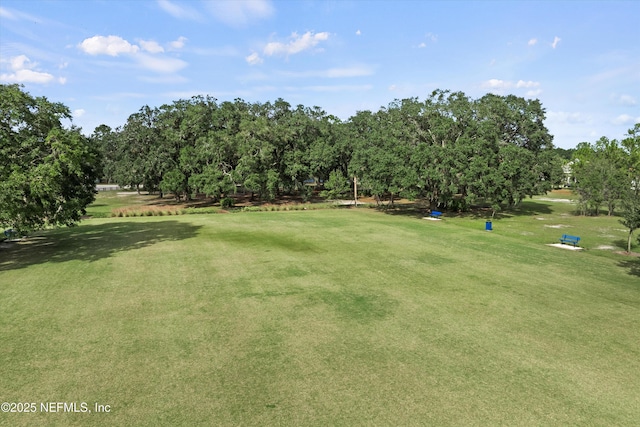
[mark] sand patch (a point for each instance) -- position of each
(568, 247)
(549, 199)
(556, 226)
(430, 218)
(606, 247)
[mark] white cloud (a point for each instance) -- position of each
(527, 84)
(254, 59)
(23, 72)
(161, 64)
(16, 15)
(240, 12)
(431, 38)
(115, 46)
(78, 113)
(502, 85)
(180, 12)
(564, 117)
(556, 40)
(340, 88)
(178, 44)
(332, 73)
(297, 44)
(496, 84)
(616, 74)
(26, 76)
(151, 46)
(21, 61)
(625, 119)
(4, 13)
(626, 100)
(532, 42)
(358, 32)
(110, 45)
(62, 80)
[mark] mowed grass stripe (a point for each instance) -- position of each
(346, 317)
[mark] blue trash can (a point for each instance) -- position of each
(488, 226)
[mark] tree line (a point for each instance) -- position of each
(607, 172)
(449, 149)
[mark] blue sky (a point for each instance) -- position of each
(106, 59)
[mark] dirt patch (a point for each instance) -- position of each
(556, 226)
(631, 254)
(606, 247)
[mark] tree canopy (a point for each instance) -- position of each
(47, 172)
(449, 149)
(607, 171)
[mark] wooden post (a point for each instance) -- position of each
(355, 190)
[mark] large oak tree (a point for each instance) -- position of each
(47, 172)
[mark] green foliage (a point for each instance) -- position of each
(604, 173)
(451, 150)
(631, 216)
(454, 151)
(174, 182)
(47, 172)
(227, 202)
(336, 187)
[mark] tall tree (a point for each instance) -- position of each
(47, 172)
(603, 174)
(631, 216)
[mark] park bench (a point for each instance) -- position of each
(10, 233)
(435, 214)
(567, 238)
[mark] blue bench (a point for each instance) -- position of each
(435, 214)
(10, 233)
(573, 240)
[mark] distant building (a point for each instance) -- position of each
(568, 180)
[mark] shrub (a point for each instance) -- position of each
(227, 202)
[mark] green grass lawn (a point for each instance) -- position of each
(332, 317)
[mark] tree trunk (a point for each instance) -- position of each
(629, 242)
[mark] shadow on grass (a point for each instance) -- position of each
(419, 210)
(633, 265)
(91, 242)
